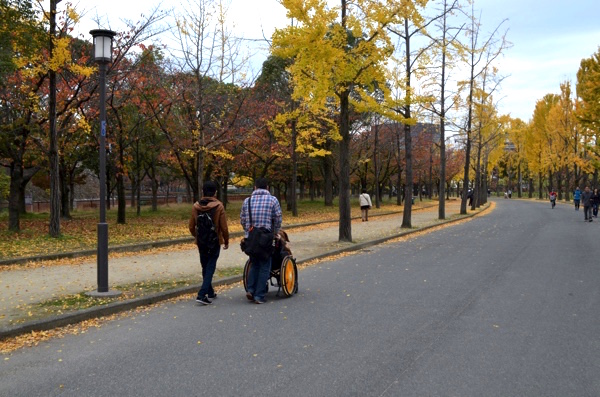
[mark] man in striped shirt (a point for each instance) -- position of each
(266, 212)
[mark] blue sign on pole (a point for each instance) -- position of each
(103, 128)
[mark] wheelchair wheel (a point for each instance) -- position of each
(246, 272)
(289, 276)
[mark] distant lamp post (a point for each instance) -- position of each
(103, 55)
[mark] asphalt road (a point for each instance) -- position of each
(506, 304)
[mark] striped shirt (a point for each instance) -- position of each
(266, 212)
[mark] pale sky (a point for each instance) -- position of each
(549, 38)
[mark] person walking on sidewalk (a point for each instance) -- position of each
(266, 213)
(577, 198)
(208, 225)
(586, 199)
(365, 205)
(595, 203)
(552, 198)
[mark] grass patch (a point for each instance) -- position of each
(81, 301)
(168, 222)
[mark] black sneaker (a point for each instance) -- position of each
(204, 300)
(213, 297)
(249, 296)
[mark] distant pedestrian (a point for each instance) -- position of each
(595, 202)
(210, 231)
(470, 196)
(586, 199)
(509, 193)
(552, 198)
(577, 198)
(266, 213)
(365, 205)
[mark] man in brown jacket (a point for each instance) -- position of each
(209, 204)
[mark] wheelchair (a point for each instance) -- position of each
(283, 273)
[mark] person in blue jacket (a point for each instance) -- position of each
(577, 198)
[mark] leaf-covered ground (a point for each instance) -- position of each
(169, 222)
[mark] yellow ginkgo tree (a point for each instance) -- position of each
(588, 106)
(339, 60)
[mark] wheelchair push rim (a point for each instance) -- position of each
(289, 276)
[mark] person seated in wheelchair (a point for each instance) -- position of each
(281, 250)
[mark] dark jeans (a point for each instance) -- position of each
(595, 209)
(587, 211)
(258, 276)
(208, 260)
(576, 204)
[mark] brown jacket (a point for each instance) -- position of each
(219, 218)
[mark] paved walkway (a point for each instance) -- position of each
(20, 288)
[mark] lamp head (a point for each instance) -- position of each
(102, 44)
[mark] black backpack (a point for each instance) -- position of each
(206, 231)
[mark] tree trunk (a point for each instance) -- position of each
(399, 166)
(65, 194)
(154, 185)
(520, 179)
(407, 213)
(138, 199)
(328, 180)
(477, 185)
(121, 200)
(16, 178)
(568, 179)
(559, 185)
(135, 186)
(345, 222)
(197, 186)
(375, 149)
(55, 202)
(293, 202)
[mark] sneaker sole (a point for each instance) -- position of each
(203, 302)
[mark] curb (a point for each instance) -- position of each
(117, 307)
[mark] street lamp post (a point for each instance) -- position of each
(103, 55)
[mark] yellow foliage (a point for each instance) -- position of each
(189, 153)
(72, 14)
(61, 54)
(83, 125)
(224, 154)
(242, 181)
(81, 70)
(330, 58)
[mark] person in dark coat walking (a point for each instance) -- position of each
(208, 257)
(595, 202)
(586, 199)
